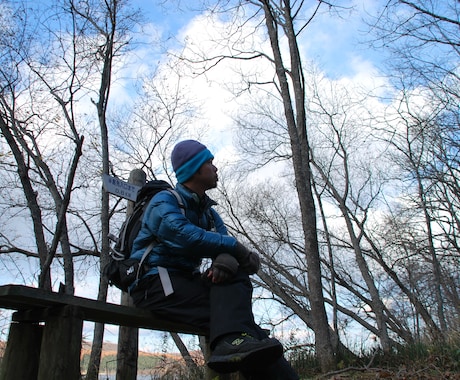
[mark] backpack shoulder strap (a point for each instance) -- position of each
(179, 200)
(212, 223)
(144, 256)
(152, 244)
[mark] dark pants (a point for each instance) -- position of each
(221, 309)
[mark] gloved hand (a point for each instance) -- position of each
(223, 268)
(248, 260)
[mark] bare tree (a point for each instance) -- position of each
(283, 20)
(144, 137)
(25, 128)
(352, 176)
(75, 48)
(419, 143)
(422, 36)
(110, 23)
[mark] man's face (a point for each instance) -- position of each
(207, 175)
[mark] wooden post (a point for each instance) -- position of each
(63, 329)
(24, 341)
(128, 337)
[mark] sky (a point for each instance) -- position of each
(332, 42)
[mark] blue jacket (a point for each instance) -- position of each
(182, 241)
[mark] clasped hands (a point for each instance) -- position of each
(225, 266)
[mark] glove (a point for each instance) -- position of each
(223, 268)
(248, 260)
(252, 265)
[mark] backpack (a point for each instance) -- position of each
(121, 270)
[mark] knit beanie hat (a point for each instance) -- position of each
(187, 157)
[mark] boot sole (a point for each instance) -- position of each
(246, 360)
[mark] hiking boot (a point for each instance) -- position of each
(244, 352)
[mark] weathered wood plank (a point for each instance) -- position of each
(33, 305)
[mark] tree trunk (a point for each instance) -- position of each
(101, 105)
(296, 123)
(31, 196)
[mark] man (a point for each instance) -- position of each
(220, 301)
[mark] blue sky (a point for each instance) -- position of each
(335, 41)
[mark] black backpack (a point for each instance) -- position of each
(121, 270)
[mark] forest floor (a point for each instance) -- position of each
(427, 373)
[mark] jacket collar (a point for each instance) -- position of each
(193, 200)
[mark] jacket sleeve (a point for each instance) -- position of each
(218, 222)
(177, 235)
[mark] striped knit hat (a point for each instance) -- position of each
(187, 157)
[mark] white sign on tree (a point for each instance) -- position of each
(121, 188)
